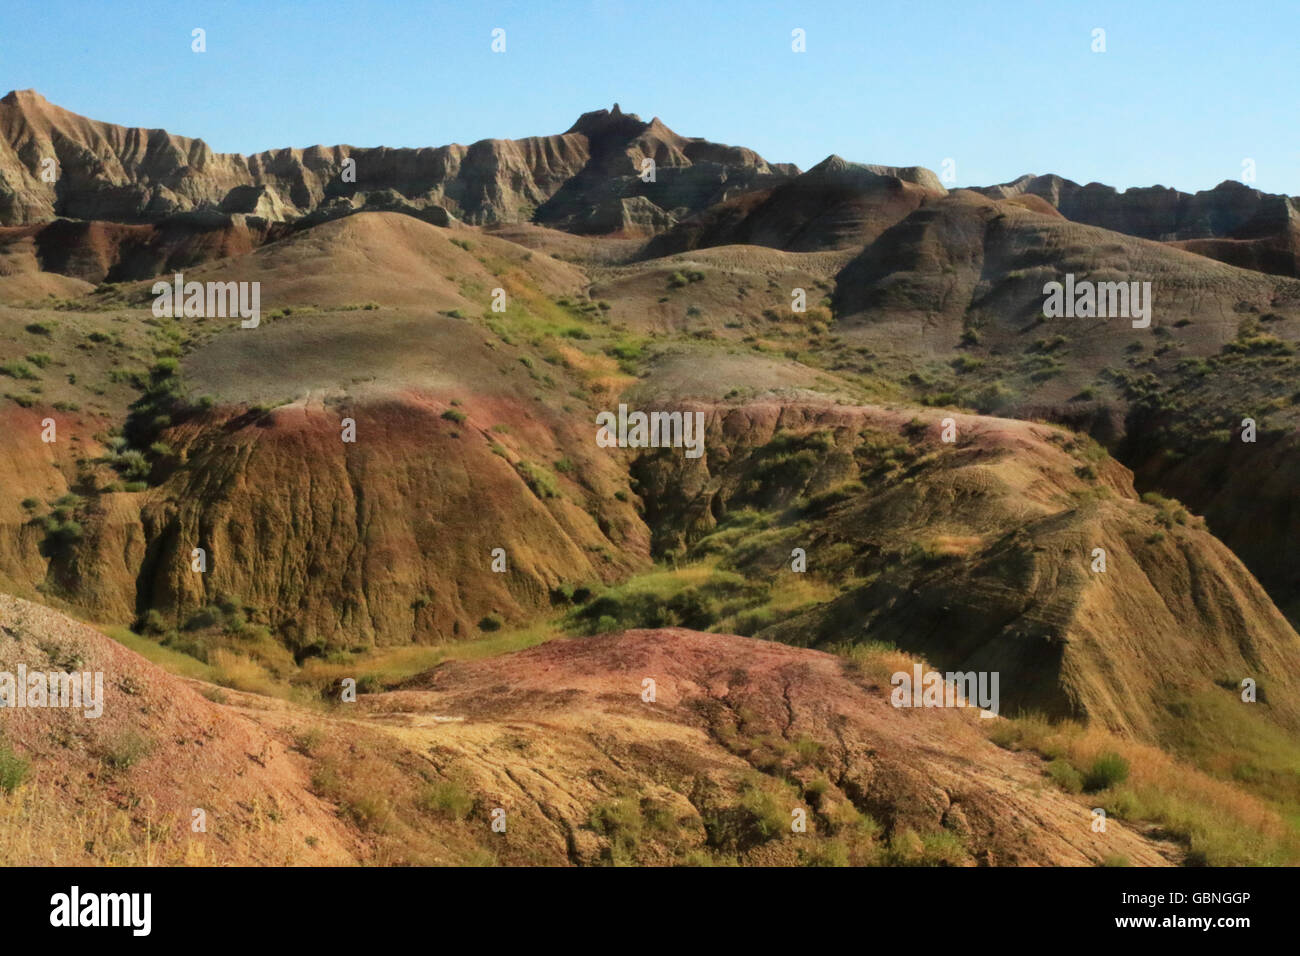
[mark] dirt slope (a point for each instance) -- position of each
(159, 751)
(386, 540)
(557, 736)
(382, 257)
(721, 703)
(99, 251)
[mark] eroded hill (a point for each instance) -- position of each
(556, 742)
(979, 554)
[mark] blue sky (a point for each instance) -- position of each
(1183, 94)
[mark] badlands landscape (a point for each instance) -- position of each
(366, 588)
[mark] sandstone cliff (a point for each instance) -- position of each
(104, 171)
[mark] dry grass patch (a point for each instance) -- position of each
(1221, 824)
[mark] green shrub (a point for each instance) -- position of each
(309, 741)
(619, 609)
(825, 853)
(13, 769)
(620, 820)
(1065, 776)
(205, 617)
(756, 818)
(59, 533)
(1169, 511)
(125, 750)
(767, 816)
(446, 798)
(540, 481)
(131, 464)
(369, 812)
(942, 849)
(19, 370)
(1106, 771)
(749, 623)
